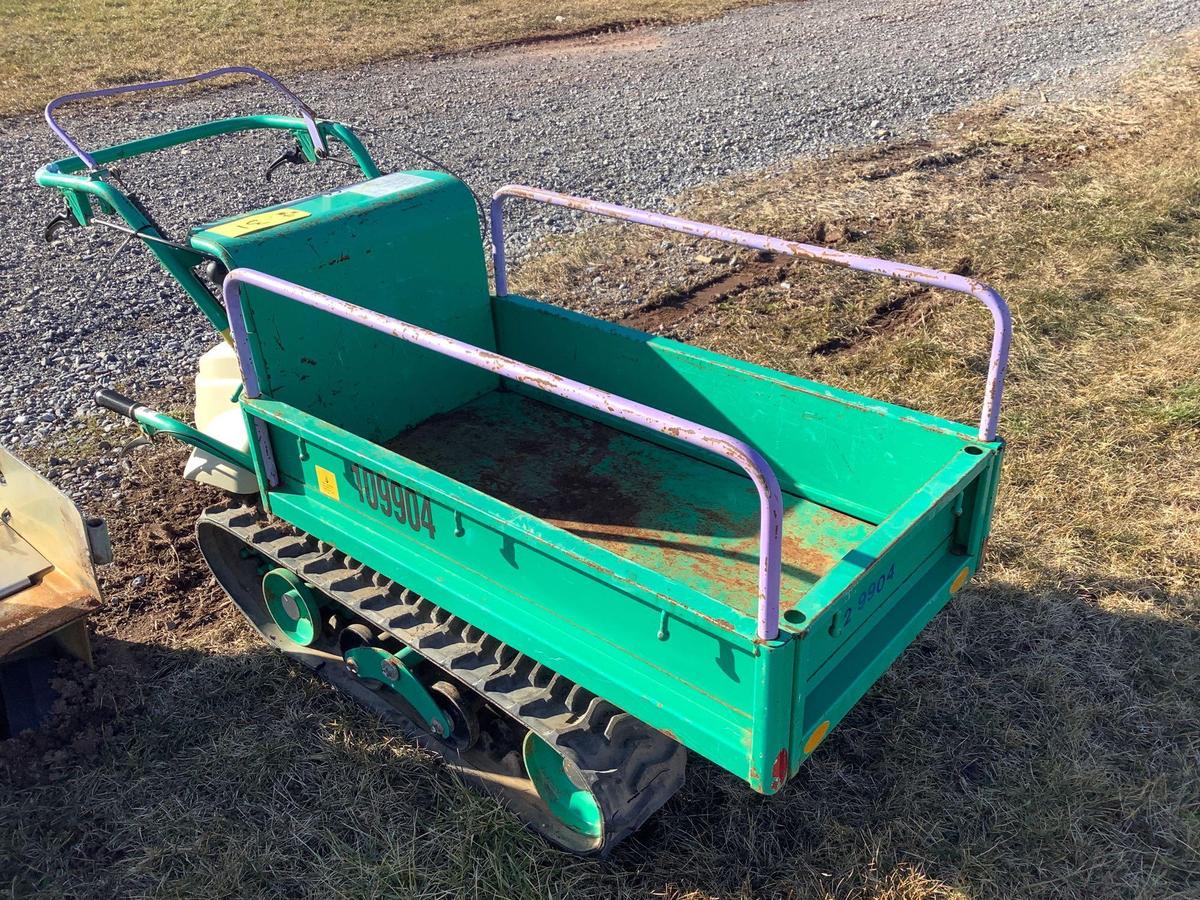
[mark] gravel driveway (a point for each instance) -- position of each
(633, 119)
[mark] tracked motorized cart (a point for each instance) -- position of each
(559, 550)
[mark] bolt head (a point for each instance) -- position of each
(290, 606)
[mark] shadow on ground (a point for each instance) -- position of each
(1033, 740)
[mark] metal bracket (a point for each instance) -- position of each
(394, 671)
(263, 439)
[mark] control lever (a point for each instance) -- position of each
(295, 156)
(57, 226)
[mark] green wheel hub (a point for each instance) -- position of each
(576, 807)
(293, 606)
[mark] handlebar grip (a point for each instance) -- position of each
(118, 403)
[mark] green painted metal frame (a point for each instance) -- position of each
(748, 705)
(78, 186)
(394, 672)
(682, 659)
(153, 423)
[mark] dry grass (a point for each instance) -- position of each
(1039, 739)
(1056, 746)
(48, 47)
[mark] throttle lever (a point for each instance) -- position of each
(295, 156)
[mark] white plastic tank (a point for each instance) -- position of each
(216, 382)
(217, 415)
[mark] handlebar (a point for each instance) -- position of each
(88, 160)
(114, 401)
(152, 422)
(83, 189)
(989, 417)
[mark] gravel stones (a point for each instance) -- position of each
(628, 121)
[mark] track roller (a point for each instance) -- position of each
(395, 672)
(462, 710)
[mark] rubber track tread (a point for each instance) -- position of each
(631, 768)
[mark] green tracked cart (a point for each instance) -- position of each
(557, 550)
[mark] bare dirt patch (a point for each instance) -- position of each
(158, 587)
(601, 40)
(82, 720)
(663, 312)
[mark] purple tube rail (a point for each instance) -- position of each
(1002, 320)
(745, 456)
(88, 160)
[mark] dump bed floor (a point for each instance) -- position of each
(691, 520)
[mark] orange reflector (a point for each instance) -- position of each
(959, 580)
(816, 737)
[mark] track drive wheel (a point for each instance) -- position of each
(575, 806)
(293, 607)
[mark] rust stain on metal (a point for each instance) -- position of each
(617, 492)
(40, 610)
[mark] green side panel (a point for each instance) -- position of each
(910, 610)
(835, 625)
(688, 519)
(594, 616)
(887, 590)
(848, 452)
(406, 245)
(928, 522)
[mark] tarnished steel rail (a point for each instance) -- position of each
(1002, 333)
(306, 114)
(745, 456)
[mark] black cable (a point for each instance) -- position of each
(440, 166)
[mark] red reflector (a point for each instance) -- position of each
(779, 771)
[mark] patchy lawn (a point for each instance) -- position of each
(49, 47)
(1040, 738)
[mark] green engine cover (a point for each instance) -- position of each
(407, 245)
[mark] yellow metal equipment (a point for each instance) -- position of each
(48, 554)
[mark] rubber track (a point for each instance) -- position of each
(631, 768)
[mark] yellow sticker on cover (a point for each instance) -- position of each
(258, 221)
(327, 483)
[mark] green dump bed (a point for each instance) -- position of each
(623, 558)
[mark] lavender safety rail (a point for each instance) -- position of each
(1002, 332)
(88, 160)
(749, 459)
